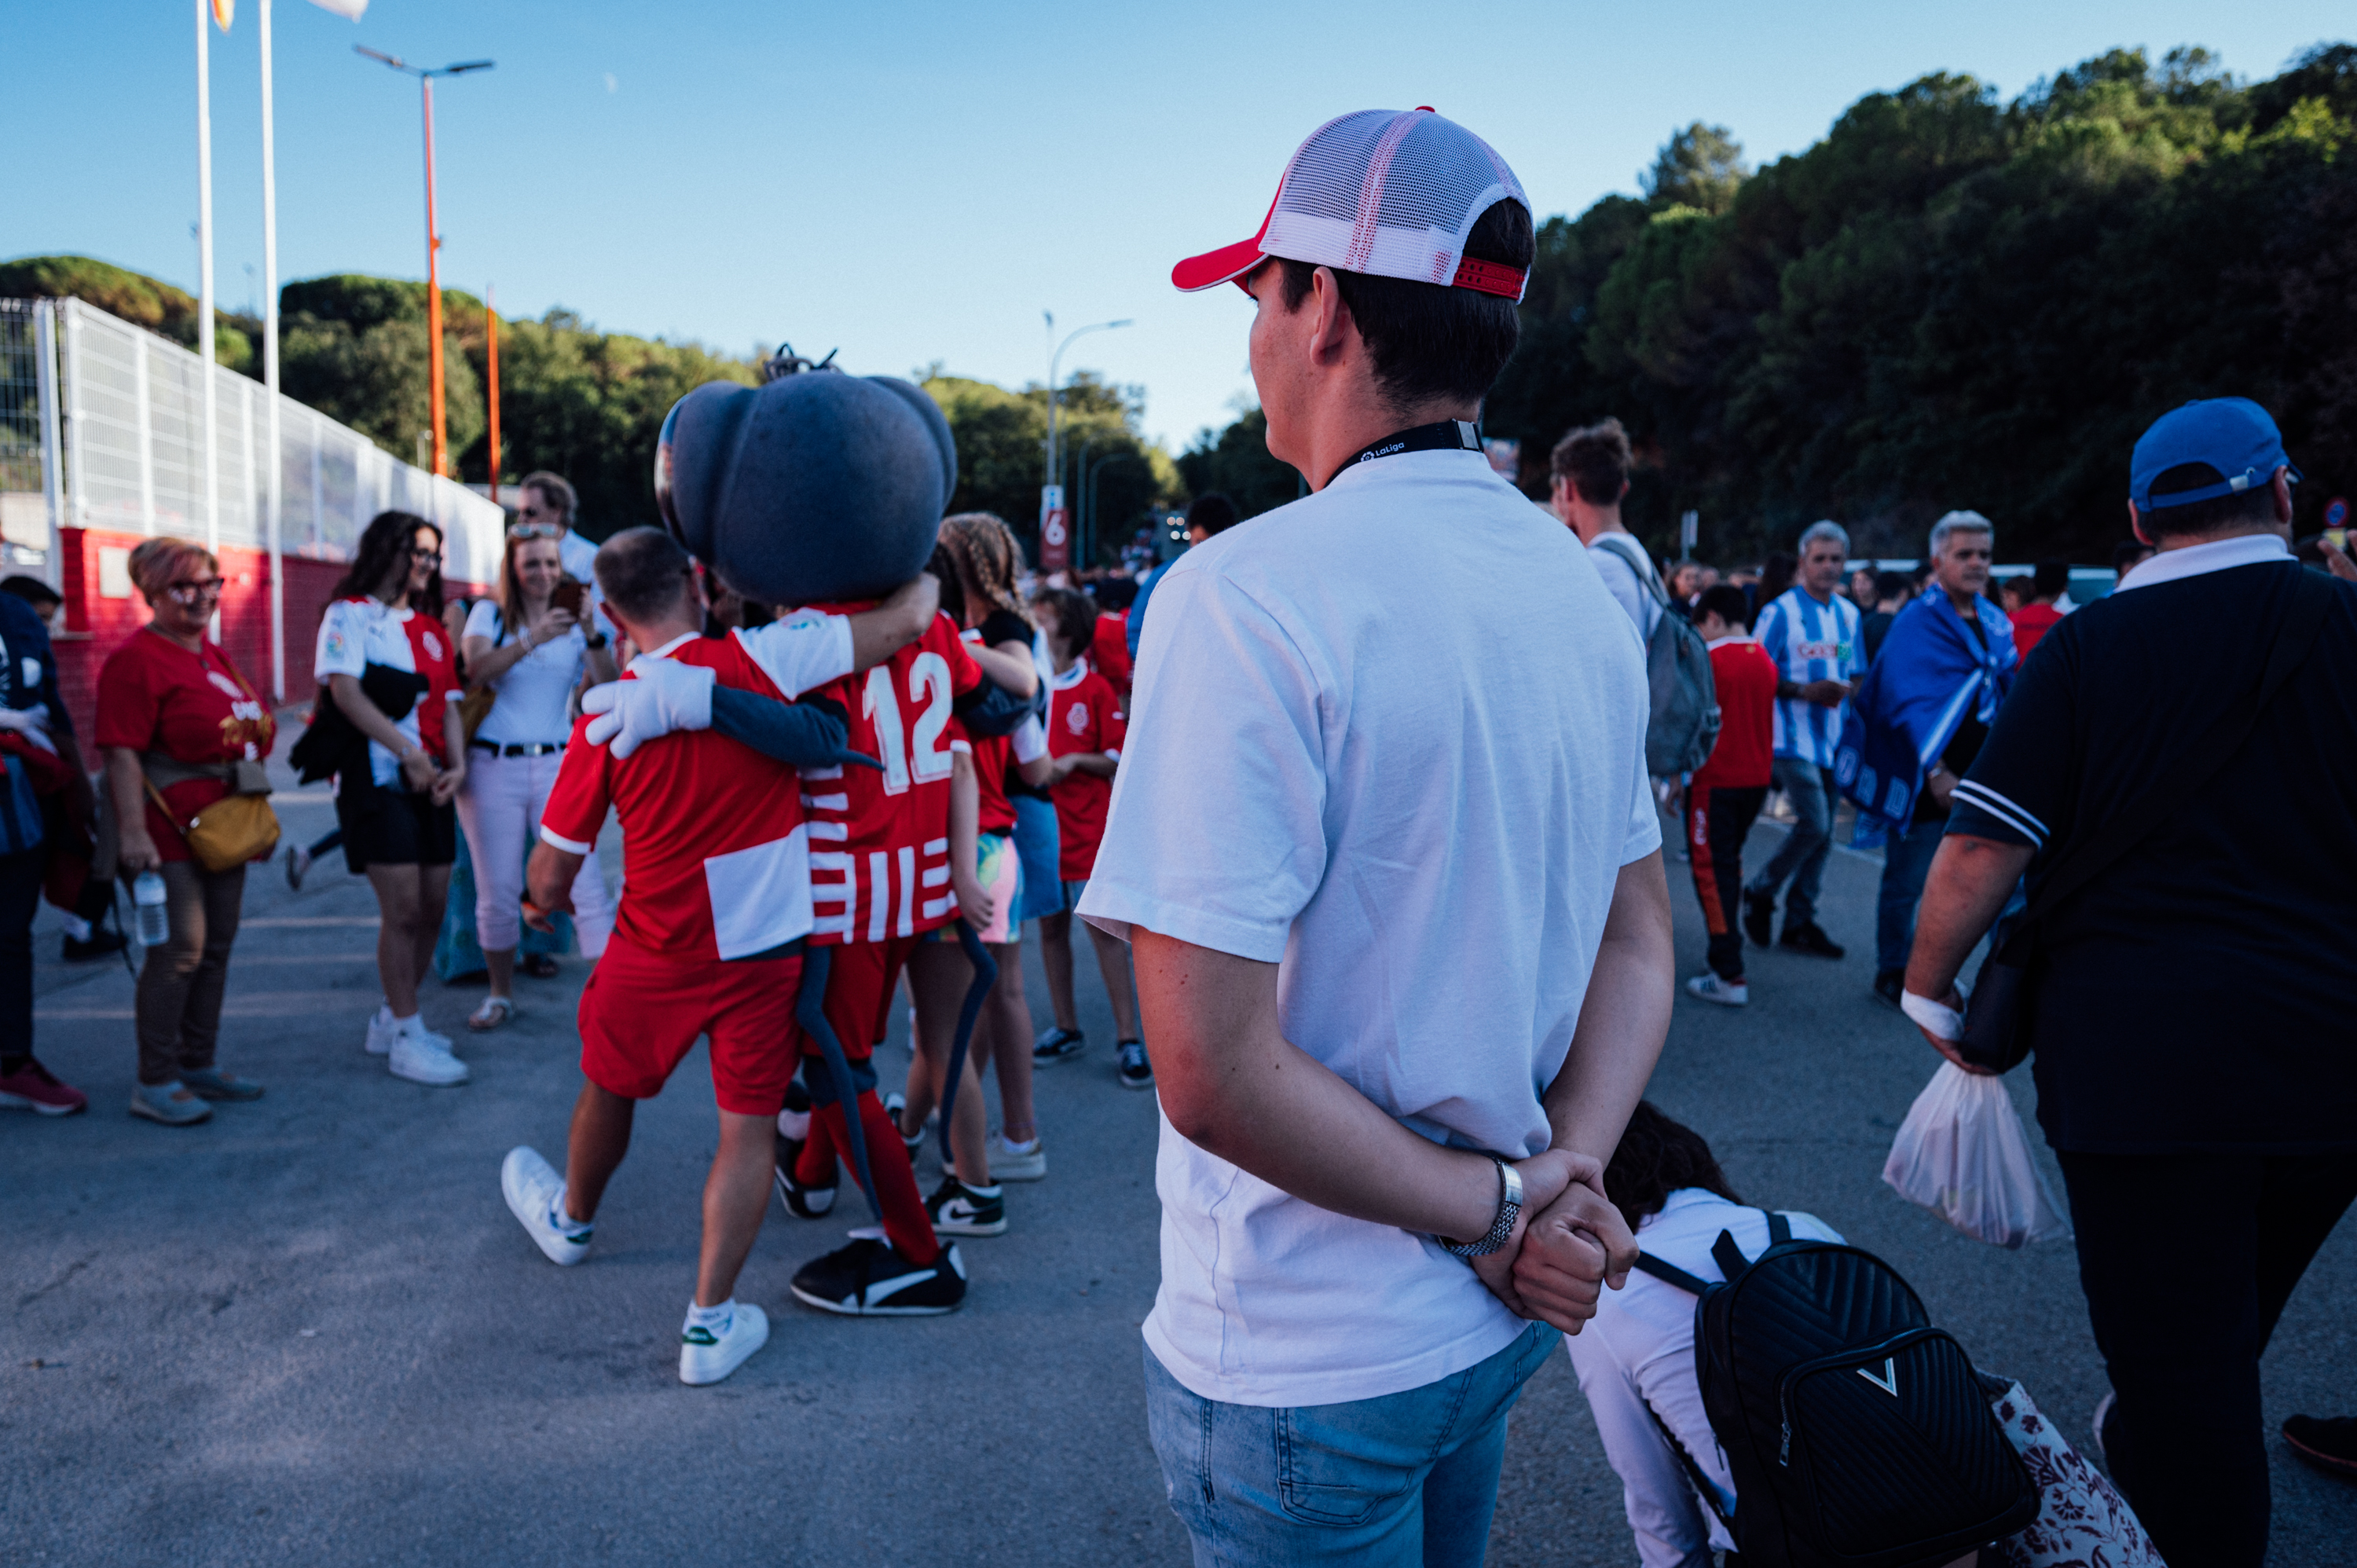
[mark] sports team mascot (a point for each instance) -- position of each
(815, 487)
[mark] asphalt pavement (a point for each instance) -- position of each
(309, 1331)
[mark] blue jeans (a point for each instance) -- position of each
(1398, 1481)
(1807, 846)
(1035, 845)
(1906, 862)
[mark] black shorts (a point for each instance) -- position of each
(394, 827)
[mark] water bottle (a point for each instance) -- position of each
(148, 898)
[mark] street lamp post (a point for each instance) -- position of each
(1052, 513)
(432, 239)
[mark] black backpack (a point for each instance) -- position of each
(1857, 1434)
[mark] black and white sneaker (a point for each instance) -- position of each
(958, 1209)
(1136, 1071)
(868, 1279)
(1760, 917)
(1057, 1045)
(895, 1106)
(802, 1202)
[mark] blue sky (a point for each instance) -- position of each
(912, 183)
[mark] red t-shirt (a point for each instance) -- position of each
(715, 855)
(1084, 714)
(154, 695)
(1109, 652)
(881, 841)
(2034, 622)
(992, 757)
(1745, 677)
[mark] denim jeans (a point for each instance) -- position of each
(1037, 844)
(1398, 1481)
(1906, 862)
(1807, 846)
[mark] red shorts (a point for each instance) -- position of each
(641, 1012)
(860, 979)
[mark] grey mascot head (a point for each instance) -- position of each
(815, 487)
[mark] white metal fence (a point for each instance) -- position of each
(113, 437)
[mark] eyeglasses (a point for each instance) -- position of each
(535, 531)
(189, 593)
(424, 555)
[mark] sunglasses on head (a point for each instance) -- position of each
(535, 530)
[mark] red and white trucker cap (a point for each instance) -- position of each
(1392, 192)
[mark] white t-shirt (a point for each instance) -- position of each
(1619, 575)
(355, 633)
(1639, 1351)
(1393, 740)
(535, 693)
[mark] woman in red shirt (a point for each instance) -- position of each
(170, 702)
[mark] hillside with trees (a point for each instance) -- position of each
(1949, 301)
(589, 404)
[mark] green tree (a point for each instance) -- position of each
(1700, 166)
(134, 297)
(1002, 439)
(1236, 462)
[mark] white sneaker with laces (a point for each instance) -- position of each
(1727, 993)
(703, 1358)
(533, 1190)
(423, 1056)
(1005, 1165)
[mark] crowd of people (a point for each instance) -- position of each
(1289, 842)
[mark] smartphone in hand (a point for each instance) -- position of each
(569, 595)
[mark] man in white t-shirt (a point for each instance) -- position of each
(1590, 477)
(546, 506)
(1402, 935)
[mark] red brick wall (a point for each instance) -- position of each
(97, 625)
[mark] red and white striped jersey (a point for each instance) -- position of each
(880, 843)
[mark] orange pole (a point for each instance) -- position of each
(491, 326)
(433, 291)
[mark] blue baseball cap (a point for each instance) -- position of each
(2232, 434)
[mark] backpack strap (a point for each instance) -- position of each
(1642, 564)
(1669, 1273)
(1702, 1483)
(1727, 1255)
(1780, 1228)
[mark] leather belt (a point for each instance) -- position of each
(536, 748)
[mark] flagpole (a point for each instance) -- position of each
(491, 326)
(205, 274)
(433, 286)
(270, 368)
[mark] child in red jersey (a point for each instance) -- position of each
(708, 940)
(1726, 792)
(1085, 730)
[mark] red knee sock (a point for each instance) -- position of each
(906, 1223)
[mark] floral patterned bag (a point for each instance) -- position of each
(2082, 1521)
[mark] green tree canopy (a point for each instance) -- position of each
(1699, 166)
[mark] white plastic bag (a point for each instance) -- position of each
(1963, 1155)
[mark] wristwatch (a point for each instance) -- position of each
(596, 640)
(1509, 1209)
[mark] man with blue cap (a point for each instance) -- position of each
(2176, 773)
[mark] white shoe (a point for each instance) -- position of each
(704, 1359)
(1005, 1165)
(533, 1190)
(423, 1056)
(1727, 993)
(380, 1031)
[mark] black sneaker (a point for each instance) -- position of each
(1057, 1045)
(802, 1202)
(958, 1209)
(101, 942)
(868, 1279)
(1890, 985)
(1760, 918)
(1136, 1071)
(2329, 1443)
(1806, 937)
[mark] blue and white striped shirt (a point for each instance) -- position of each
(1809, 641)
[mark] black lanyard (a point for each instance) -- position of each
(1447, 435)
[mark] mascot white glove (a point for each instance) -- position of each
(32, 723)
(658, 696)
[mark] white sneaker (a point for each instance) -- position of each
(380, 1031)
(1005, 1165)
(533, 1190)
(1727, 993)
(704, 1360)
(423, 1056)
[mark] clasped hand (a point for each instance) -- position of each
(1567, 1244)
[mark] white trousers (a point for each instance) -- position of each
(499, 808)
